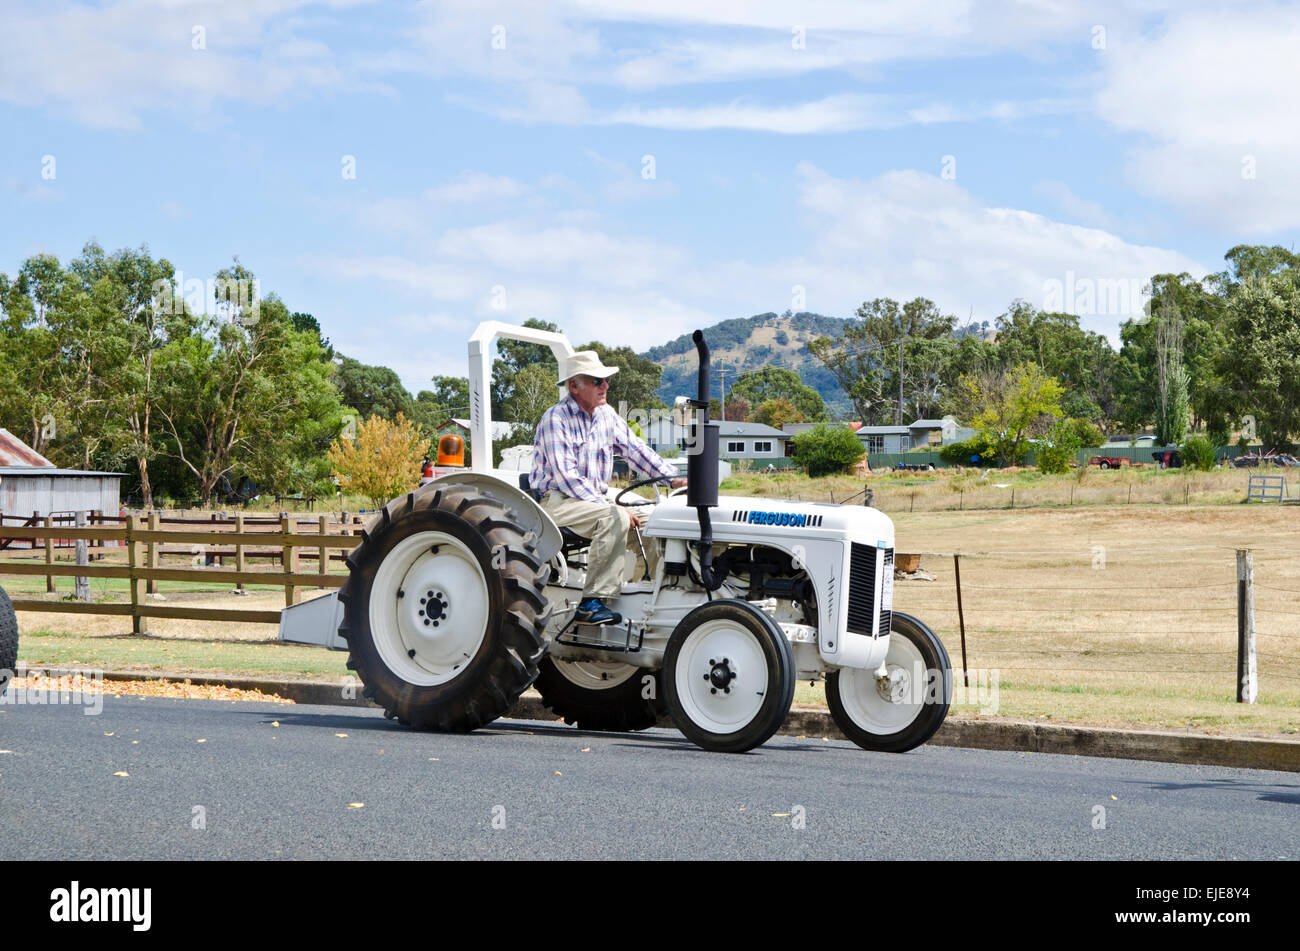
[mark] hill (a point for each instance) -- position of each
(750, 343)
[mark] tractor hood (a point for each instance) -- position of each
(758, 521)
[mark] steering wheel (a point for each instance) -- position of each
(653, 480)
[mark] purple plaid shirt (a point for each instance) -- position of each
(574, 453)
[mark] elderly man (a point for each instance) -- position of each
(573, 458)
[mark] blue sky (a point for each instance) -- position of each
(632, 171)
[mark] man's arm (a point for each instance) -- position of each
(563, 460)
(639, 455)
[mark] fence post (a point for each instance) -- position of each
(155, 523)
(49, 551)
(135, 553)
(82, 584)
(239, 549)
(324, 552)
(1247, 673)
(289, 561)
(961, 617)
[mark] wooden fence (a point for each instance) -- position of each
(144, 542)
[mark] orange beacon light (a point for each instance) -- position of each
(451, 450)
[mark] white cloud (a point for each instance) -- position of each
(906, 233)
(1080, 210)
(900, 235)
(474, 187)
(107, 64)
(1213, 96)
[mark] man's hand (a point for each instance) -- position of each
(678, 483)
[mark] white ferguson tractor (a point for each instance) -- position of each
(464, 593)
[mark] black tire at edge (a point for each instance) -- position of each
(505, 664)
(8, 640)
(617, 709)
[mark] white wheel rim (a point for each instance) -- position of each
(711, 645)
(411, 584)
(594, 674)
(887, 708)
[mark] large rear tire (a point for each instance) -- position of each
(601, 695)
(728, 676)
(444, 609)
(904, 710)
(8, 641)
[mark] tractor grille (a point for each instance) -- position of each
(862, 588)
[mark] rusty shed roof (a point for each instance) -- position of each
(15, 452)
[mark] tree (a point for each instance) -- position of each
(372, 389)
(777, 412)
(1007, 407)
(384, 460)
(1262, 352)
(778, 383)
(534, 392)
(514, 355)
(827, 449)
(870, 360)
(1171, 378)
(246, 397)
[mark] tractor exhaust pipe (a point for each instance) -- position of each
(702, 469)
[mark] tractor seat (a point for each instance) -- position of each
(569, 539)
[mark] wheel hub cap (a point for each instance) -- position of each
(721, 674)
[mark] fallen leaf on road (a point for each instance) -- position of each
(558, 773)
(433, 759)
(1116, 798)
(121, 774)
(585, 749)
(108, 734)
(340, 734)
(200, 741)
(356, 805)
(780, 815)
(275, 723)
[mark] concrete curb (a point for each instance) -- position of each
(1013, 735)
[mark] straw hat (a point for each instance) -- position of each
(587, 363)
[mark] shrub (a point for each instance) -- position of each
(382, 462)
(1058, 449)
(961, 453)
(1197, 453)
(827, 449)
(1088, 434)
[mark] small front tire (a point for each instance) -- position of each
(728, 676)
(903, 710)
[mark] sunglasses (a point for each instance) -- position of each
(592, 381)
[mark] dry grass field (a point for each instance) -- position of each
(1101, 612)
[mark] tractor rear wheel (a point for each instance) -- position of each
(601, 695)
(443, 609)
(8, 640)
(902, 710)
(728, 676)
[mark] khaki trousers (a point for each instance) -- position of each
(607, 525)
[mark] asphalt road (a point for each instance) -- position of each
(217, 780)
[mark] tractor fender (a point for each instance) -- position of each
(527, 512)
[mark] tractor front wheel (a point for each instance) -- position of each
(901, 708)
(444, 610)
(728, 676)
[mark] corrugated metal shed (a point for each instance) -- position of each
(30, 484)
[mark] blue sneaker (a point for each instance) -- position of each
(593, 611)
